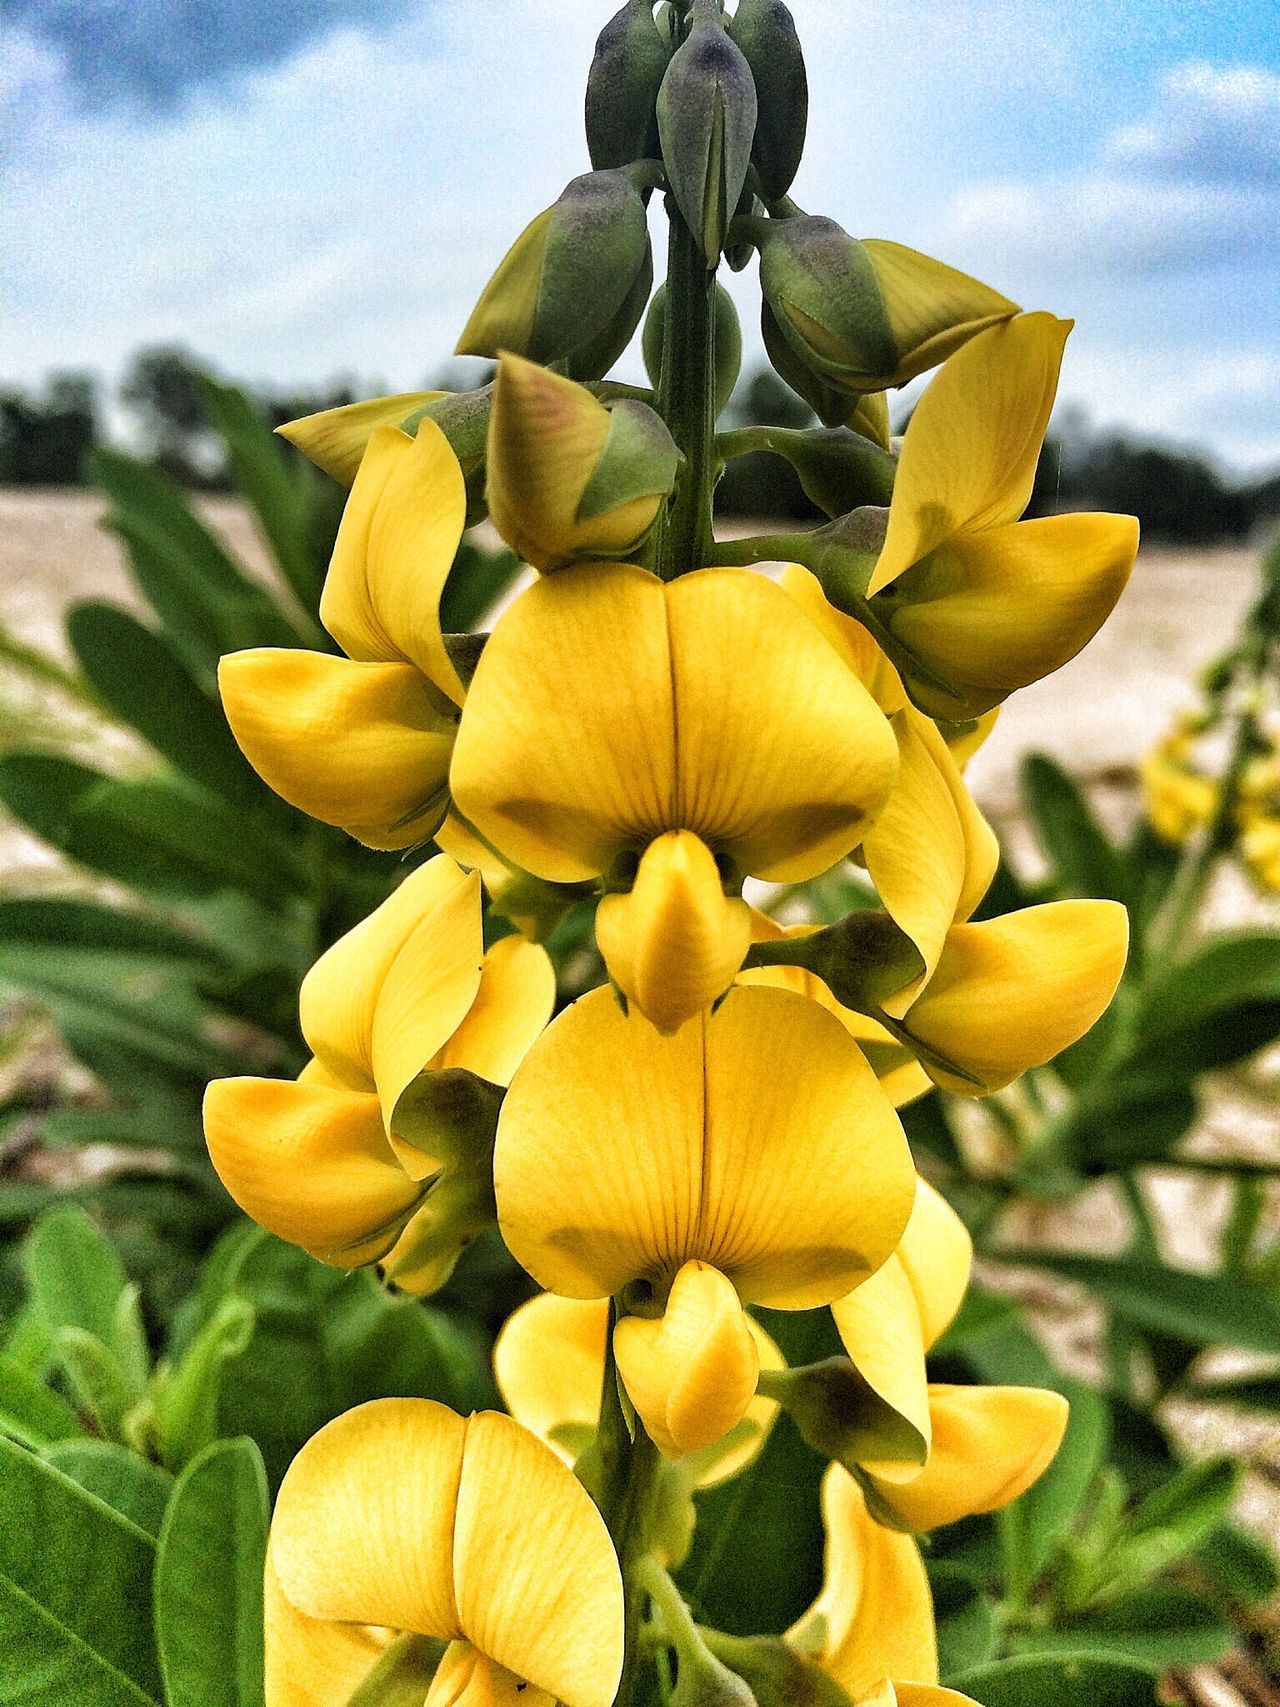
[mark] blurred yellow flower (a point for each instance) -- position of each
(402, 1517)
(322, 1161)
(751, 1157)
(671, 739)
(364, 741)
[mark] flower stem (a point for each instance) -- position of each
(629, 1463)
(685, 400)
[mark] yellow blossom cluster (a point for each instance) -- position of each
(1183, 789)
(714, 1127)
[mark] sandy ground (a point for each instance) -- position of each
(1096, 716)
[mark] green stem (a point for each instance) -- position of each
(685, 400)
(629, 1469)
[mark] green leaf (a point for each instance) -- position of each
(1084, 859)
(81, 926)
(75, 1594)
(1160, 1625)
(1242, 1392)
(141, 676)
(168, 837)
(477, 580)
(1032, 1528)
(205, 603)
(208, 1580)
(96, 1377)
(991, 1336)
(42, 790)
(1074, 1680)
(73, 1273)
(1240, 1563)
(186, 1401)
(1173, 1521)
(966, 1619)
(262, 472)
(32, 1412)
(1113, 1126)
(127, 1483)
(1199, 1308)
(1214, 1008)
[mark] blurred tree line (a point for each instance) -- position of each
(1180, 496)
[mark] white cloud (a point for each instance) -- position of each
(1193, 185)
(1212, 125)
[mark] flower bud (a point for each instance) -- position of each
(727, 352)
(572, 287)
(862, 316)
(766, 33)
(568, 478)
(622, 88)
(706, 120)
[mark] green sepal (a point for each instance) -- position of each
(451, 1114)
(726, 352)
(778, 1675)
(821, 287)
(829, 404)
(841, 1416)
(766, 33)
(864, 960)
(626, 73)
(639, 459)
(402, 1675)
(464, 652)
(706, 120)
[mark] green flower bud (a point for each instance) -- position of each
(568, 478)
(573, 286)
(622, 88)
(766, 33)
(862, 316)
(706, 120)
(727, 353)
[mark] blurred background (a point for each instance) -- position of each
(220, 216)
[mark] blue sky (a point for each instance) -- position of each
(296, 191)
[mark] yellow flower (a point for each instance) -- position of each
(949, 1452)
(751, 1157)
(1180, 799)
(929, 852)
(402, 1517)
(364, 741)
(1260, 846)
(872, 1628)
(335, 439)
(979, 602)
(346, 1161)
(549, 1362)
(672, 739)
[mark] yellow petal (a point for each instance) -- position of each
(989, 1445)
(568, 753)
(363, 1530)
(851, 640)
(549, 1364)
(1011, 993)
(538, 1585)
(969, 456)
(432, 923)
(783, 757)
(875, 1610)
(932, 308)
(936, 1253)
(901, 1076)
(311, 1662)
(335, 439)
(930, 1695)
(930, 853)
(673, 943)
(691, 1372)
(546, 434)
(395, 547)
(965, 739)
(362, 746)
(992, 612)
(467, 1678)
(310, 1163)
(514, 1001)
(756, 1140)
